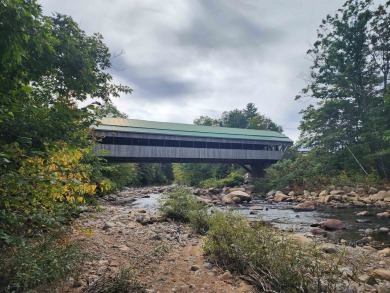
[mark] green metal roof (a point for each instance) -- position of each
(168, 128)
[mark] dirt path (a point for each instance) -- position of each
(166, 256)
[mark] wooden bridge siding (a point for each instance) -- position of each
(134, 151)
(188, 138)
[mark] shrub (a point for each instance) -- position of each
(271, 261)
(200, 220)
(39, 261)
(178, 204)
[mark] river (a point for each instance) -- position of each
(282, 216)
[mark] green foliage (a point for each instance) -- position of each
(349, 79)
(272, 262)
(124, 281)
(42, 260)
(315, 171)
(233, 179)
(179, 204)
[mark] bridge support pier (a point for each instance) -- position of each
(258, 170)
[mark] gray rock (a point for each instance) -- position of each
(383, 230)
(208, 266)
(108, 225)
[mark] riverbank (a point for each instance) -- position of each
(167, 257)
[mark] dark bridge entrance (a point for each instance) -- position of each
(130, 140)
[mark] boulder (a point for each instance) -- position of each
(385, 251)
(353, 194)
(372, 190)
(236, 199)
(280, 197)
(306, 193)
(363, 214)
(318, 231)
(305, 206)
(381, 195)
(291, 193)
(300, 238)
(384, 215)
(381, 274)
(323, 193)
(240, 194)
(227, 200)
(329, 248)
(333, 224)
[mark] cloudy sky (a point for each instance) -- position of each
(187, 58)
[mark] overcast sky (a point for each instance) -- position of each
(187, 58)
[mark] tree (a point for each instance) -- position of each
(108, 109)
(349, 80)
(47, 65)
(261, 122)
(207, 121)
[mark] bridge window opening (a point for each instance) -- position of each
(172, 143)
(200, 144)
(225, 145)
(247, 146)
(141, 141)
(186, 144)
(156, 142)
(213, 145)
(237, 146)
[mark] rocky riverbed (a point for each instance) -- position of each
(169, 258)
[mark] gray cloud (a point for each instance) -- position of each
(190, 58)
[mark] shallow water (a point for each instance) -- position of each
(282, 215)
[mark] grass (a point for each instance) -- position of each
(40, 261)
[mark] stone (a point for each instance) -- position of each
(384, 230)
(194, 268)
(306, 193)
(337, 192)
(225, 276)
(369, 231)
(381, 195)
(318, 231)
(383, 289)
(329, 198)
(323, 193)
(271, 192)
(236, 199)
(333, 224)
(382, 274)
(241, 194)
(372, 190)
(143, 220)
(363, 214)
(353, 194)
(291, 193)
(301, 238)
(364, 241)
(384, 215)
(208, 266)
(108, 225)
(314, 194)
(280, 197)
(305, 206)
(227, 200)
(385, 251)
(329, 248)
